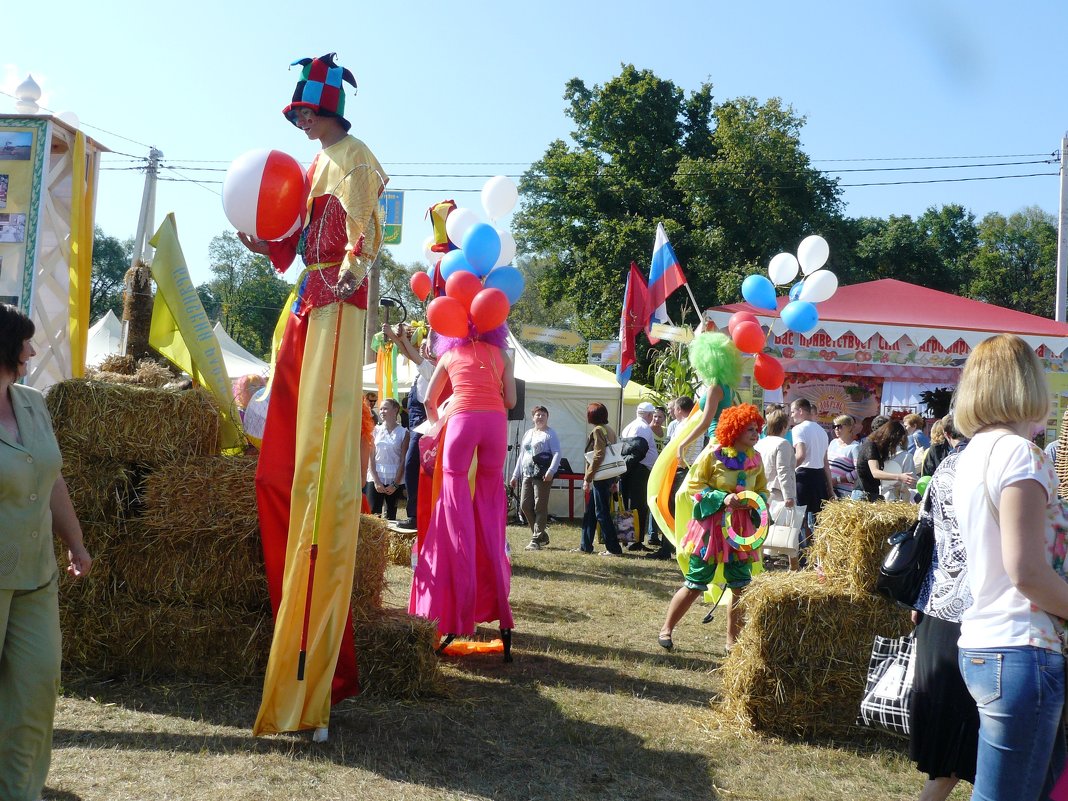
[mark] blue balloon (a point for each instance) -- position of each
(795, 290)
(481, 247)
(453, 262)
(759, 292)
(800, 316)
(507, 279)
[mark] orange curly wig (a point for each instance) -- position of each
(733, 420)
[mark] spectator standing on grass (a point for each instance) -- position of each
(597, 492)
(385, 468)
(34, 506)
(779, 464)
(842, 454)
(813, 472)
(1014, 532)
(424, 362)
(874, 454)
(635, 484)
(917, 440)
(943, 720)
(539, 459)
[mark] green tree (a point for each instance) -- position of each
(1016, 263)
(934, 250)
(246, 295)
(754, 195)
(591, 208)
(111, 260)
(729, 181)
(394, 280)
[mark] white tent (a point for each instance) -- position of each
(104, 339)
(239, 362)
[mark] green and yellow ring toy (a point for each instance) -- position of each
(742, 543)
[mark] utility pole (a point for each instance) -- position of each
(137, 303)
(1062, 239)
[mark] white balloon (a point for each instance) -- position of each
(819, 286)
(430, 256)
(507, 248)
(812, 253)
(457, 223)
(782, 268)
(499, 196)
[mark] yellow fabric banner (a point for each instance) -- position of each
(181, 331)
(81, 255)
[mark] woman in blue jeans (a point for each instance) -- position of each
(1013, 529)
(598, 493)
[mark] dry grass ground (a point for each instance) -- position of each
(592, 708)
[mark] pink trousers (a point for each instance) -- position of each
(463, 574)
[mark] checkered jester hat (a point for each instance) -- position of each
(319, 89)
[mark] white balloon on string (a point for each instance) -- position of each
(812, 253)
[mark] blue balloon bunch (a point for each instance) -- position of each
(799, 314)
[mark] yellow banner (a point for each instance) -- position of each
(181, 331)
(81, 254)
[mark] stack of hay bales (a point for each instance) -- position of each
(800, 664)
(178, 585)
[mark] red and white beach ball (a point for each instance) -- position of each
(264, 194)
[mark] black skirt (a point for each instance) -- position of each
(943, 719)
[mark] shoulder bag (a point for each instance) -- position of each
(905, 565)
(784, 533)
(613, 464)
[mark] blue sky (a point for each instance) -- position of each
(476, 88)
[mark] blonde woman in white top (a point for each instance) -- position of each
(385, 468)
(1013, 529)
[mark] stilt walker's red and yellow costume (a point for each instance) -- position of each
(343, 235)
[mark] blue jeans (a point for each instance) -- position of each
(1020, 695)
(599, 511)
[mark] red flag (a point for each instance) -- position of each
(635, 318)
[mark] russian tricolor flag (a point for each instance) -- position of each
(665, 276)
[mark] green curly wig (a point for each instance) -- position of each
(716, 359)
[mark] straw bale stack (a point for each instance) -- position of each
(123, 370)
(178, 585)
(850, 540)
(101, 420)
(799, 667)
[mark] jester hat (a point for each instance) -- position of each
(319, 89)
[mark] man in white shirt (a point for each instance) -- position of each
(635, 483)
(814, 483)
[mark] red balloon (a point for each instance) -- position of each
(748, 336)
(740, 317)
(463, 286)
(420, 284)
(447, 316)
(489, 309)
(768, 371)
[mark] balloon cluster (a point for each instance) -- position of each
(474, 280)
(799, 314)
(265, 194)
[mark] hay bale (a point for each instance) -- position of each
(395, 652)
(146, 373)
(123, 364)
(850, 540)
(128, 423)
(98, 588)
(399, 551)
(226, 569)
(158, 639)
(191, 499)
(102, 490)
(799, 667)
(369, 580)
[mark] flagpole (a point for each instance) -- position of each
(696, 308)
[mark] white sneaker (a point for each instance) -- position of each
(534, 546)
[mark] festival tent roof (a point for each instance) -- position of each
(893, 309)
(239, 362)
(104, 339)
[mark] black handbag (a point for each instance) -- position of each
(905, 565)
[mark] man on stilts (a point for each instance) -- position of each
(308, 478)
